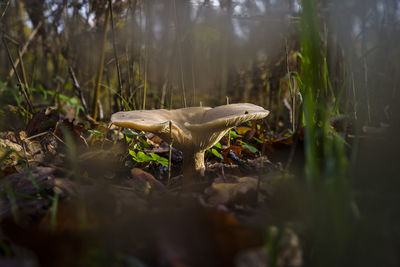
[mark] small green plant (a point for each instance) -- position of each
(13, 99)
(96, 132)
(69, 101)
(249, 147)
(233, 134)
(215, 152)
(218, 145)
(136, 141)
(130, 133)
(10, 95)
(152, 157)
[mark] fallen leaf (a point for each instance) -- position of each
(42, 121)
(242, 130)
(237, 150)
(72, 129)
(144, 182)
(22, 183)
(244, 191)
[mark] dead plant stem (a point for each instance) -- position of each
(23, 71)
(78, 90)
(20, 84)
(24, 48)
(96, 95)
(178, 41)
(115, 54)
(171, 141)
(5, 10)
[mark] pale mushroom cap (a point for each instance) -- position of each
(194, 128)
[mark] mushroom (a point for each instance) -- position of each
(194, 129)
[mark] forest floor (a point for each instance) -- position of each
(79, 192)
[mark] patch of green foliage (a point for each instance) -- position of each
(152, 157)
(13, 97)
(249, 147)
(96, 132)
(136, 142)
(233, 134)
(130, 133)
(59, 98)
(216, 153)
(214, 150)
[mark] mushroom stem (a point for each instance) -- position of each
(193, 166)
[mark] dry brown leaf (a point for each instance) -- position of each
(242, 130)
(237, 150)
(144, 182)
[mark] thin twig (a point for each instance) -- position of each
(137, 92)
(367, 90)
(180, 55)
(9, 38)
(146, 52)
(262, 161)
(119, 187)
(193, 81)
(36, 135)
(292, 89)
(78, 90)
(295, 138)
(58, 138)
(23, 71)
(164, 88)
(5, 10)
(100, 110)
(101, 67)
(128, 74)
(354, 96)
(25, 154)
(145, 76)
(171, 140)
(24, 48)
(229, 132)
